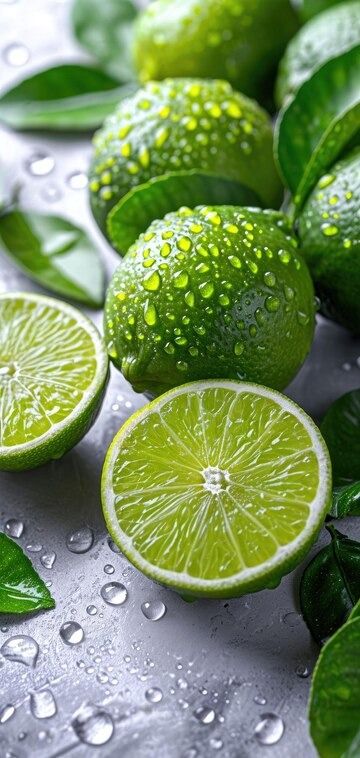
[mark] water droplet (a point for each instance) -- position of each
(292, 619)
(270, 729)
(346, 366)
(216, 743)
(269, 279)
(51, 193)
(154, 695)
(114, 593)
(181, 280)
(150, 314)
(6, 713)
(206, 289)
(302, 318)
(260, 700)
(329, 230)
(40, 164)
(81, 540)
(21, 649)
(16, 54)
(14, 528)
(43, 704)
(204, 714)
(152, 282)
(48, 560)
(272, 304)
(284, 256)
(325, 181)
(93, 725)
(34, 547)
(109, 569)
(77, 180)
(302, 671)
(113, 547)
(71, 633)
(153, 610)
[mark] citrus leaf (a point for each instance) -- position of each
(55, 253)
(341, 430)
(105, 30)
(320, 121)
(355, 613)
(162, 194)
(346, 501)
(67, 97)
(330, 586)
(335, 695)
(21, 589)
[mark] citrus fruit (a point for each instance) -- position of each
(329, 231)
(182, 125)
(53, 371)
(211, 292)
(327, 35)
(214, 38)
(216, 488)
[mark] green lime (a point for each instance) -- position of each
(329, 230)
(217, 488)
(208, 293)
(223, 39)
(182, 125)
(324, 37)
(53, 372)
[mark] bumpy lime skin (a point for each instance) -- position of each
(329, 231)
(179, 125)
(225, 39)
(216, 292)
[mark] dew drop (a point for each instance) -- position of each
(152, 282)
(272, 304)
(113, 547)
(16, 54)
(43, 704)
(326, 180)
(302, 671)
(114, 593)
(91, 610)
(285, 256)
(77, 180)
(181, 280)
(6, 713)
(206, 289)
(216, 743)
(109, 569)
(292, 619)
(302, 318)
(22, 649)
(48, 560)
(14, 528)
(259, 700)
(81, 540)
(34, 547)
(239, 348)
(71, 633)
(40, 164)
(153, 610)
(269, 279)
(329, 230)
(204, 714)
(93, 725)
(270, 729)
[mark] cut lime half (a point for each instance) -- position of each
(217, 488)
(53, 371)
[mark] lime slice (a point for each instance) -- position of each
(53, 371)
(217, 488)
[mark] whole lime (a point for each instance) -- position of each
(180, 125)
(224, 39)
(329, 230)
(209, 293)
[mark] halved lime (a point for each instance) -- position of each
(53, 371)
(217, 488)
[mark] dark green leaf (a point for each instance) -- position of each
(67, 97)
(162, 194)
(355, 613)
(320, 121)
(55, 253)
(21, 589)
(330, 586)
(346, 501)
(341, 431)
(105, 29)
(334, 708)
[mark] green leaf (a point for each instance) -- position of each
(162, 194)
(355, 613)
(68, 97)
(55, 253)
(21, 589)
(346, 501)
(310, 8)
(105, 29)
(320, 121)
(335, 695)
(341, 430)
(330, 586)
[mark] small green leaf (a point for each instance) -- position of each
(69, 97)
(346, 501)
(335, 695)
(162, 194)
(355, 613)
(319, 122)
(330, 586)
(55, 253)
(341, 431)
(21, 589)
(105, 29)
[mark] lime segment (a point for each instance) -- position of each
(216, 488)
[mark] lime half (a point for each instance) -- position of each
(217, 488)
(53, 371)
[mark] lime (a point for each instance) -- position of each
(181, 125)
(53, 371)
(324, 37)
(329, 230)
(214, 38)
(217, 488)
(208, 293)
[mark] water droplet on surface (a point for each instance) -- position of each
(6, 713)
(113, 547)
(346, 366)
(154, 695)
(114, 593)
(34, 547)
(259, 700)
(153, 610)
(270, 729)
(71, 633)
(16, 54)
(43, 704)
(109, 569)
(329, 230)
(48, 560)
(81, 540)
(93, 725)
(204, 714)
(22, 649)
(216, 743)
(91, 610)
(292, 619)
(302, 671)
(40, 164)
(77, 180)
(14, 528)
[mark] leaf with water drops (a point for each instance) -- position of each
(330, 586)
(55, 253)
(341, 431)
(346, 501)
(21, 588)
(69, 97)
(321, 120)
